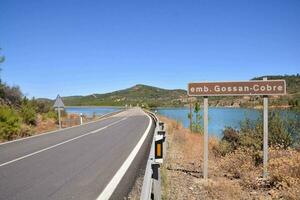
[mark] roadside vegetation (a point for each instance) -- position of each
(20, 116)
(235, 161)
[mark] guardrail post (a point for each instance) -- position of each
(156, 181)
(161, 125)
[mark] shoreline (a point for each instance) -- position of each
(257, 107)
(231, 107)
(120, 107)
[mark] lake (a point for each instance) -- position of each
(89, 111)
(218, 118)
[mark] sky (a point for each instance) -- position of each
(79, 47)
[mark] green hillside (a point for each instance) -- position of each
(154, 96)
(138, 94)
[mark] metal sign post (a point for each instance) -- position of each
(265, 148)
(191, 117)
(205, 153)
(59, 105)
(59, 120)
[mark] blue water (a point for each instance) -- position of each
(89, 111)
(218, 118)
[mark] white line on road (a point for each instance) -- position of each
(59, 144)
(112, 185)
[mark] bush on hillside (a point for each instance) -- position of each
(9, 123)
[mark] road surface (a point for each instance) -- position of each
(99, 160)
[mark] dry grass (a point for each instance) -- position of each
(234, 176)
(45, 125)
(48, 124)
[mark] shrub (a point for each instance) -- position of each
(232, 136)
(28, 112)
(223, 148)
(293, 127)
(279, 135)
(252, 132)
(251, 140)
(43, 106)
(251, 137)
(9, 123)
(26, 130)
(51, 114)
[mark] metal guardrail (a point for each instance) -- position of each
(151, 188)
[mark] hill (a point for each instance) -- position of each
(158, 97)
(138, 94)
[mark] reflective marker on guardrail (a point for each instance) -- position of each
(159, 140)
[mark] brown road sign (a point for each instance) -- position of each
(269, 87)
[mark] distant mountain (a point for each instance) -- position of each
(154, 96)
(138, 94)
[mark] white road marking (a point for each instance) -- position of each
(112, 185)
(59, 144)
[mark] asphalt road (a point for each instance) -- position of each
(96, 160)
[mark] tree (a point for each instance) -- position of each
(2, 58)
(190, 117)
(1, 61)
(11, 95)
(197, 123)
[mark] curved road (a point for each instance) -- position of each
(99, 160)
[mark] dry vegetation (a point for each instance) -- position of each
(233, 176)
(49, 124)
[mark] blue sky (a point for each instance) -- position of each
(82, 47)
